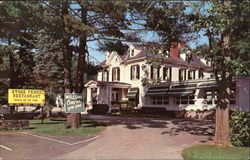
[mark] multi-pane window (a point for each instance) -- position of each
(191, 74)
(201, 74)
(105, 75)
(182, 74)
(135, 72)
(184, 99)
(155, 72)
(167, 73)
(210, 96)
(160, 100)
(116, 74)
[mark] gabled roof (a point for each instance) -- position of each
(104, 83)
(194, 63)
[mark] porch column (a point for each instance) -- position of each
(98, 98)
(123, 93)
(109, 89)
(89, 97)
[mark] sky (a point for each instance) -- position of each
(97, 56)
(149, 36)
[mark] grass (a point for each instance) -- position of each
(210, 152)
(57, 128)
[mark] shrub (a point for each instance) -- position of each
(99, 109)
(127, 107)
(239, 124)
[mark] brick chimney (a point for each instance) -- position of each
(175, 49)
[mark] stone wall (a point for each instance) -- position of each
(196, 114)
(14, 124)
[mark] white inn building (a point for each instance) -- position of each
(184, 85)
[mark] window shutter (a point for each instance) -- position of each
(118, 74)
(180, 75)
(199, 74)
(152, 72)
(138, 71)
(164, 73)
(158, 72)
(185, 74)
(189, 75)
(107, 72)
(170, 73)
(131, 72)
(102, 75)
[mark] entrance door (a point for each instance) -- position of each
(115, 96)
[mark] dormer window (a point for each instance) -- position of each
(132, 52)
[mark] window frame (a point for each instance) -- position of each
(135, 72)
(105, 75)
(154, 75)
(185, 100)
(182, 73)
(116, 74)
(191, 74)
(167, 73)
(159, 100)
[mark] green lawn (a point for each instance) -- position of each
(57, 128)
(209, 152)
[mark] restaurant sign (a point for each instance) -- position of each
(26, 96)
(73, 102)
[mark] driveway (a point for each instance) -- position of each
(144, 138)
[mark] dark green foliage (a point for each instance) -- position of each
(99, 109)
(49, 62)
(127, 107)
(114, 46)
(239, 123)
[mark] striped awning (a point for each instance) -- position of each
(157, 91)
(207, 85)
(177, 90)
(133, 92)
(182, 90)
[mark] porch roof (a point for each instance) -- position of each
(93, 83)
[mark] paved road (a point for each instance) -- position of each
(143, 138)
(26, 146)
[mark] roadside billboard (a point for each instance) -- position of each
(73, 102)
(26, 97)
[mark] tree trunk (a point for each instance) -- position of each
(73, 119)
(222, 130)
(222, 134)
(82, 52)
(82, 55)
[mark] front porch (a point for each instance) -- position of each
(110, 93)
